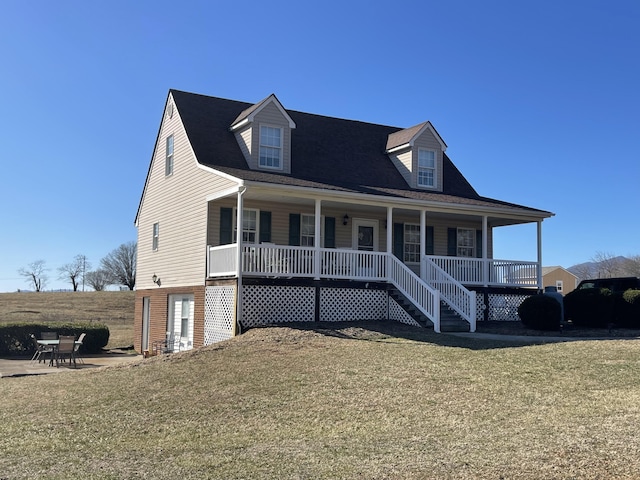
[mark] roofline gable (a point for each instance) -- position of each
(247, 116)
(406, 138)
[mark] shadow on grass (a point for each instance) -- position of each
(503, 336)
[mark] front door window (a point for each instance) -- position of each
(365, 235)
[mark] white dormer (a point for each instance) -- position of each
(418, 152)
(263, 132)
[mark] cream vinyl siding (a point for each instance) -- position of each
(178, 204)
(280, 224)
(403, 162)
(243, 137)
(427, 141)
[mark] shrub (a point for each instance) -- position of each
(628, 309)
(540, 312)
(15, 337)
(590, 307)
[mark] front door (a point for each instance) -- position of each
(365, 234)
(180, 327)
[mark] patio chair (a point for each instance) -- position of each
(76, 347)
(165, 346)
(39, 350)
(66, 347)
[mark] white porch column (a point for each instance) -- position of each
(485, 250)
(316, 241)
(539, 272)
(423, 243)
(389, 229)
(239, 221)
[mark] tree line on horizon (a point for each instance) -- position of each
(607, 265)
(117, 268)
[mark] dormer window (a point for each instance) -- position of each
(270, 147)
(426, 168)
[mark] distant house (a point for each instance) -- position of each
(253, 214)
(559, 277)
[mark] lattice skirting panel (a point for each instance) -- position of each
(399, 314)
(266, 304)
(219, 313)
(347, 304)
(504, 307)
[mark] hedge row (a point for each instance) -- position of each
(540, 312)
(15, 337)
(601, 308)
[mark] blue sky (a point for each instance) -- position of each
(538, 103)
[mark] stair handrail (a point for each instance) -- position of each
(452, 292)
(423, 296)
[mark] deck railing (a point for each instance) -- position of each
(489, 272)
(452, 292)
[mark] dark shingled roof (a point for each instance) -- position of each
(329, 153)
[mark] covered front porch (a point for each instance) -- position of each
(432, 254)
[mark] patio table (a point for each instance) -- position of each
(54, 344)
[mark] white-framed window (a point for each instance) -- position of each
(270, 147)
(249, 225)
(307, 230)
(168, 163)
(466, 242)
(426, 168)
(156, 236)
(184, 317)
(559, 286)
(411, 243)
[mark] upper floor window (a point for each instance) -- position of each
(270, 147)
(156, 236)
(426, 168)
(249, 226)
(168, 164)
(559, 286)
(466, 242)
(411, 243)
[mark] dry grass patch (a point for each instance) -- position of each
(115, 309)
(343, 401)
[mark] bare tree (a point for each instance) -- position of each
(35, 275)
(98, 279)
(120, 265)
(608, 265)
(74, 271)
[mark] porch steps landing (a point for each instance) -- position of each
(449, 320)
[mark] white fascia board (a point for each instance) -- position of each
(239, 124)
(239, 181)
(411, 204)
(223, 193)
(399, 147)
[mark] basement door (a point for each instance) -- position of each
(181, 308)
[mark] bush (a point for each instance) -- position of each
(628, 309)
(15, 337)
(540, 312)
(590, 307)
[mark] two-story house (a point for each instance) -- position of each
(253, 214)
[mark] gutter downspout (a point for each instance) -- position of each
(237, 326)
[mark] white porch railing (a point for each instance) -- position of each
(425, 298)
(452, 292)
(490, 272)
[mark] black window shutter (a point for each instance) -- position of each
(398, 240)
(479, 243)
(430, 247)
(226, 225)
(452, 242)
(294, 229)
(329, 232)
(265, 226)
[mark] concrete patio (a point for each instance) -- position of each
(22, 366)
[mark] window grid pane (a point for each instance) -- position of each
(411, 243)
(466, 242)
(426, 168)
(307, 230)
(270, 147)
(168, 167)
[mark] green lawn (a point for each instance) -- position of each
(377, 400)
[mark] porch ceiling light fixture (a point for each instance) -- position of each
(345, 219)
